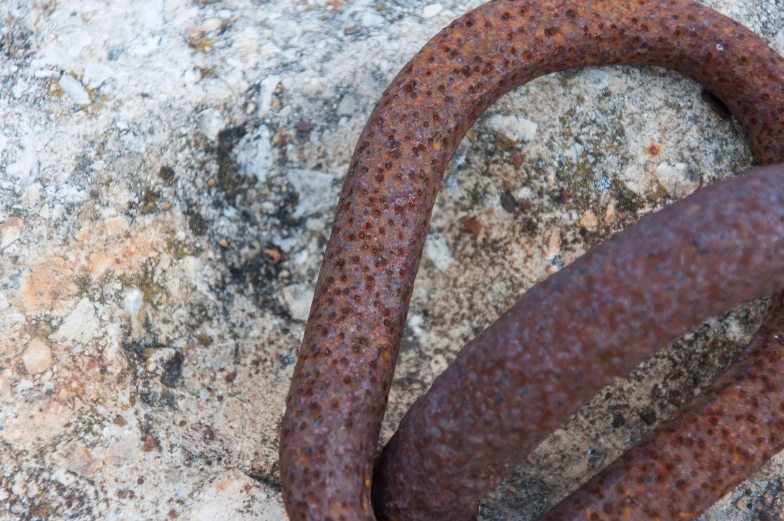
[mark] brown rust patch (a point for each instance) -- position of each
(471, 225)
(652, 150)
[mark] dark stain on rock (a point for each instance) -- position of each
(173, 371)
(229, 179)
(196, 221)
(166, 173)
(628, 201)
(652, 150)
(648, 416)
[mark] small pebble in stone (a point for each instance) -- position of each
(372, 20)
(298, 298)
(96, 74)
(273, 254)
(280, 138)
(80, 325)
(315, 189)
(254, 154)
(37, 357)
(211, 24)
(45, 73)
(267, 89)
(432, 10)
(516, 160)
(676, 179)
(211, 182)
(513, 127)
(609, 213)
(74, 88)
(304, 126)
(224, 243)
(76, 458)
(437, 250)
(268, 207)
(210, 123)
(347, 106)
(597, 79)
(553, 244)
(589, 220)
(133, 301)
(149, 444)
(351, 29)
(10, 231)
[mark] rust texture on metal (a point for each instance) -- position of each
(568, 335)
(705, 450)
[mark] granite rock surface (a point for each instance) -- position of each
(168, 172)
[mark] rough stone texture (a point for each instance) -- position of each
(127, 193)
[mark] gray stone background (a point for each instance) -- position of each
(168, 171)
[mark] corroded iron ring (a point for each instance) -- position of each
(696, 258)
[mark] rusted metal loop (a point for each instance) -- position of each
(570, 333)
